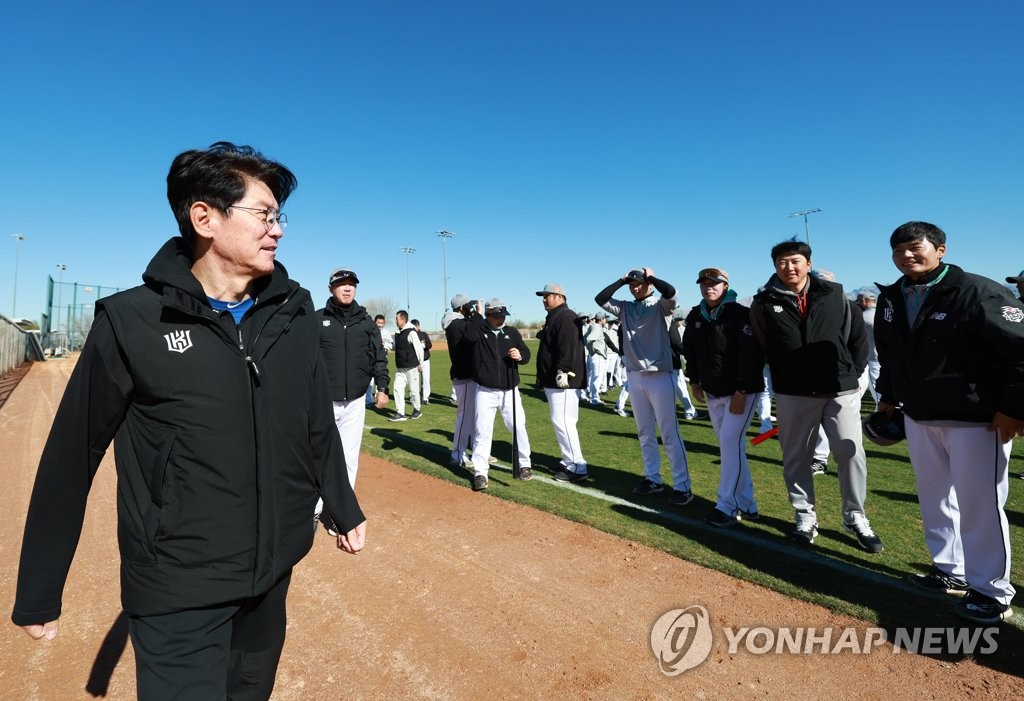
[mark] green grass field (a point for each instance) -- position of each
(834, 572)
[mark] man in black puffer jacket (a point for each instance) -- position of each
(351, 344)
(210, 382)
(813, 339)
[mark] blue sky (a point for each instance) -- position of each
(560, 141)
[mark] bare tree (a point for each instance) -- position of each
(381, 305)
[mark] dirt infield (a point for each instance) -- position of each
(457, 596)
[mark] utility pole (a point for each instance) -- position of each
(60, 288)
(445, 235)
(807, 227)
(18, 238)
(407, 250)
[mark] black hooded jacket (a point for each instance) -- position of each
(353, 350)
(561, 348)
(223, 438)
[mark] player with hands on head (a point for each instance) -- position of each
(647, 353)
(951, 349)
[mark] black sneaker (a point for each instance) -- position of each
(479, 483)
(570, 476)
(979, 608)
(680, 498)
(819, 467)
(804, 534)
(398, 417)
(525, 474)
(417, 414)
(721, 519)
(647, 487)
(866, 538)
(748, 515)
(939, 582)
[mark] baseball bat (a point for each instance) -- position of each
(761, 438)
(515, 424)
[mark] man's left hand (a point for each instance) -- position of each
(353, 541)
(381, 400)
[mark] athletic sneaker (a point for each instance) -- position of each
(417, 414)
(819, 467)
(570, 476)
(525, 473)
(748, 515)
(398, 417)
(491, 460)
(479, 483)
(647, 487)
(621, 412)
(982, 609)
(721, 519)
(866, 538)
(679, 497)
(939, 582)
(805, 533)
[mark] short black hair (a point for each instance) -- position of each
(403, 315)
(379, 317)
(791, 247)
(415, 322)
(218, 176)
(917, 231)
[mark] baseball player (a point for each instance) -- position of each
(675, 337)
(645, 345)
(498, 351)
(449, 316)
(425, 373)
(951, 347)
(560, 374)
(1018, 280)
(597, 357)
(813, 339)
(460, 351)
(408, 364)
(388, 341)
(724, 365)
(351, 345)
(866, 300)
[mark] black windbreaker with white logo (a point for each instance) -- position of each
(223, 438)
(963, 359)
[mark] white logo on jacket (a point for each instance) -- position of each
(179, 341)
(777, 308)
(938, 316)
(1013, 314)
(327, 322)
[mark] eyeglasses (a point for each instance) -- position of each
(270, 217)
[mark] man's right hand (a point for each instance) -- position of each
(38, 631)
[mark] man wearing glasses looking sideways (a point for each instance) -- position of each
(209, 380)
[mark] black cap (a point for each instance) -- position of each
(343, 274)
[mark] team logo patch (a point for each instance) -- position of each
(327, 322)
(178, 341)
(1013, 314)
(777, 308)
(938, 316)
(747, 330)
(887, 314)
(698, 325)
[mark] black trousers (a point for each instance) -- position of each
(221, 652)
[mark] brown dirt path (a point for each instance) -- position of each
(457, 596)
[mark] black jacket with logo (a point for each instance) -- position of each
(405, 354)
(223, 438)
(491, 365)
(460, 350)
(561, 348)
(427, 345)
(351, 344)
(963, 359)
(821, 355)
(722, 355)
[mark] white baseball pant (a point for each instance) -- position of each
(652, 396)
(962, 477)
(564, 409)
(735, 484)
(683, 394)
(425, 381)
(465, 417)
(410, 377)
(488, 402)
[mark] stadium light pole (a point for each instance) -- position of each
(807, 228)
(18, 238)
(60, 288)
(445, 235)
(407, 250)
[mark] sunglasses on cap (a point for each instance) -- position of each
(715, 274)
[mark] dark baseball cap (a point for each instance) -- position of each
(1018, 278)
(343, 274)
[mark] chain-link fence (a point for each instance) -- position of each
(69, 314)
